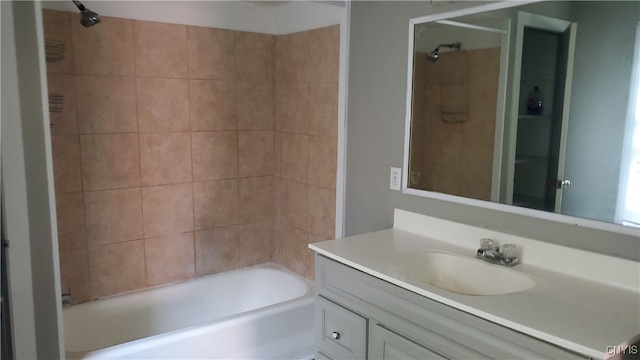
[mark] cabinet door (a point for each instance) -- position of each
(342, 334)
(387, 345)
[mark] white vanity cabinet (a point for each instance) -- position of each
(359, 316)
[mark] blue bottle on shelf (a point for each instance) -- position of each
(534, 102)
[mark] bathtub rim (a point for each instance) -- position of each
(267, 265)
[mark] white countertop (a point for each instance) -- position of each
(586, 314)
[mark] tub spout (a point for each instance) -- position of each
(67, 299)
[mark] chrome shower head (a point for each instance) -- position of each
(433, 56)
(87, 17)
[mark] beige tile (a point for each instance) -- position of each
(292, 57)
(483, 87)
(160, 49)
(420, 109)
(170, 258)
(277, 154)
(323, 109)
(486, 65)
(255, 153)
(110, 161)
(70, 215)
(116, 268)
(255, 243)
(477, 145)
(277, 241)
(444, 178)
(453, 66)
(74, 274)
(255, 199)
(420, 71)
(323, 160)
(324, 55)
(294, 244)
(163, 104)
(62, 104)
(106, 104)
(57, 35)
(212, 105)
(167, 209)
(211, 53)
(217, 250)
(165, 158)
(215, 155)
(476, 184)
(481, 119)
(106, 49)
(254, 57)
(445, 147)
(292, 203)
(215, 203)
(113, 216)
(294, 152)
(292, 108)
(255, 106)
(277, 207)
(67, 171)
(321, 220)
(310, 271)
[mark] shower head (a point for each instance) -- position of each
(433, 56)
(87, 17)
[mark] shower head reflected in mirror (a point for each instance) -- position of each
(434, 56)
(87, 17)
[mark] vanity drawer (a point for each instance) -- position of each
(343, 333)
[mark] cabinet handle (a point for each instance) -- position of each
(335, 335)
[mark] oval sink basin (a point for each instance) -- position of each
(464, 275)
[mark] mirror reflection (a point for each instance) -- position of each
(532, 106)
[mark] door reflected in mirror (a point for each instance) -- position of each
(518, 106)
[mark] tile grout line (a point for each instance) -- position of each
(237, 181)
(140, 191)
(193, 177)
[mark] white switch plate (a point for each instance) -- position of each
(394, 179)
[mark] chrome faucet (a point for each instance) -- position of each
(67, 299)
(503, 255)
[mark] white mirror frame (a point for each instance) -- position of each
(550, 216)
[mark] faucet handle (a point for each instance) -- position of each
(508, 251)
(486, 244)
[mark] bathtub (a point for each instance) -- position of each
(259, 312)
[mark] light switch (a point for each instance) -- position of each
(394, 181)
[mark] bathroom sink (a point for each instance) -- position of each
(464, 275)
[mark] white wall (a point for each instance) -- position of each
(602, 75)
(430, 35)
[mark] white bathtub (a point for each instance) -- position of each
(260, 312)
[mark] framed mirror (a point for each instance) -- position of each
(528, 108)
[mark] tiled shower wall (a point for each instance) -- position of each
(455, 157)
(164, 152)
(306, 127)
